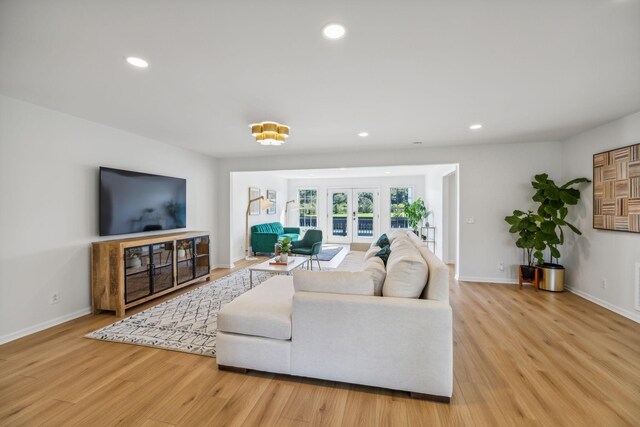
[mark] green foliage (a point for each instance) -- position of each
(544, 228)
(526, 225)
(416, 212)
(286, 245)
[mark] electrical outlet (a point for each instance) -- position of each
(501, 266)
(471, 220)
(603, 284)
(54, 298)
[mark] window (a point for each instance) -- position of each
(308, 200)
(400, 197)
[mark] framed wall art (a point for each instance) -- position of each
(616, 189)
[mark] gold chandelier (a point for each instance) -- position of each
(269, 133)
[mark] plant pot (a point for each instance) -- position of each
(528, 272)
(284, 257)
(551, 277)
(134, 262)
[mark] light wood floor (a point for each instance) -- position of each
(520, 358)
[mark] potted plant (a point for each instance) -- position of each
(544, 228)
(286, 247)
(527, 226)
(416, 212)
(553, 201)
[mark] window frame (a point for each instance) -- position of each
(300, 211)
(410, 197)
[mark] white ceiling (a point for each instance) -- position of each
(406, 71)
(359, 172)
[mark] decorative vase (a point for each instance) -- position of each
(182, 253)
(277, 249)
(134, 262)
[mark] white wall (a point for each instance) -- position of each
(450, 215)
(240, 184)
(49, 206)
(383, 184)
(599, 254)
(493, 180)
(435, 203)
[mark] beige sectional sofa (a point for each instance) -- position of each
(337, 326)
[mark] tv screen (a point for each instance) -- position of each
(133, 202)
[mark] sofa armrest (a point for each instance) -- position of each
(398, 343)
(294, 230)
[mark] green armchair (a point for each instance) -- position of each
(310, 245)
(265, 236)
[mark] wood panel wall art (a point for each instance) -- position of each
(616, 189)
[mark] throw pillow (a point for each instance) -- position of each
(407, 273)
(384, 253)
(375, 267)
(383, 241)
(333, 282)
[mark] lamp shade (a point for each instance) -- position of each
(265, 204)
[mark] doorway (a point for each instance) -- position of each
(353, 214)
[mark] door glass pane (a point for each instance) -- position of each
(202, 256)
(185, 260)
(137, 281)
(365, 214)
(163, 266)
(339, 216)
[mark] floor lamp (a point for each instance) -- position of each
(264, 204)
(284, 218)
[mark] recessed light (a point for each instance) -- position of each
(417, 143)
(343, 169)
(137, 62)
(475, 126)
(387, 172)
(333, 31)
(363, 134)
(312, 174)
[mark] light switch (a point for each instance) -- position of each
(471, 220)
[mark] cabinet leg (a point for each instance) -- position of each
(120, 312)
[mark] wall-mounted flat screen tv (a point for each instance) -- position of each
(134, 202)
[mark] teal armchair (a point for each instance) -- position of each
(265, 236)
(310, 245)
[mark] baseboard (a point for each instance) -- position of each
(232, 265)
(496, 280)
(602, 303)
(44, 325)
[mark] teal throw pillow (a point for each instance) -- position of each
(383, 241)
(384, 253)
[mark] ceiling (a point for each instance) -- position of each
(528, 70)
(359, 172)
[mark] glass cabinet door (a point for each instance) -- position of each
(202, 256)
(136, 277)
(162, 268)
(184, 258)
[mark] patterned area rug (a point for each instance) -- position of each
(186, 323)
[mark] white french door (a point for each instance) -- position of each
(353, 214)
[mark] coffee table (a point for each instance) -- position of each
(298, 261)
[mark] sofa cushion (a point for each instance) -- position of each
(400, 240)
(375, 267)
(383, 254)
(333, 282)
(394, 233)
(352, 262)
(293, 236)
(407, 272)
(383, 241)
(373, 250)
(264, 311)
